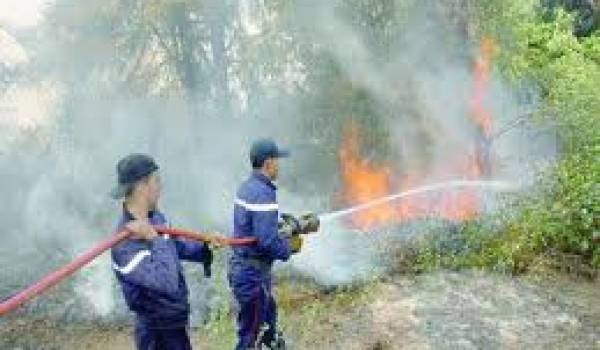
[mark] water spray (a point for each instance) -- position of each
(496, 185)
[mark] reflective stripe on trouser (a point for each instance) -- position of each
(161, 339)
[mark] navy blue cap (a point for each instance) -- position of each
(263, 149)
(130, 170)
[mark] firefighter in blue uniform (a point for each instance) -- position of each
(147, 265)
(256, 215)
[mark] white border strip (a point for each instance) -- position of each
(257, 207)
(133, 263)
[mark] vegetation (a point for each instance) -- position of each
(559, 221)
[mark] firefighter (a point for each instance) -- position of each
(256, 214)
(147, 265)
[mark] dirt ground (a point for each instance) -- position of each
(448, 310)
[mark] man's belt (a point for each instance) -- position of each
(259, 264)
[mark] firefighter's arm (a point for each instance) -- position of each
(192, 250)
(195, 251)
(269, 241)
(264, 225)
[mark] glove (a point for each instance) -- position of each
(207, 261)
(296, 243)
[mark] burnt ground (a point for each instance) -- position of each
(446, 310)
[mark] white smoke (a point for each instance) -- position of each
(338, 255)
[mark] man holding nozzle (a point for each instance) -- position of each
(147, 265)
(256, 214)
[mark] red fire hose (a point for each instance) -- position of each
(57, 276)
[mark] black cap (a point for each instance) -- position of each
(263, 149)
(130, 170)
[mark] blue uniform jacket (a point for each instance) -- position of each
(256, 214)
(151, 275)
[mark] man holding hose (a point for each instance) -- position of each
(147, 265)
(256, 215)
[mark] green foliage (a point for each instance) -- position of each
(563, 217)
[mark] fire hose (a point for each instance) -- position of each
(65, 271)
(289, 225)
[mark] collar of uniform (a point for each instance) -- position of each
(263, 178)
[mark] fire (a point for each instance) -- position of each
(364, 181)
(481, 72)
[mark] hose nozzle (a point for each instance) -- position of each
(289, 225)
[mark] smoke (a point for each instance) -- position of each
(57, 178)
(63, 200)
(340, 256)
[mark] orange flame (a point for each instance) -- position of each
(364, 181)
(481, 70)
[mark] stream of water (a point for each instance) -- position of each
(498, 186)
